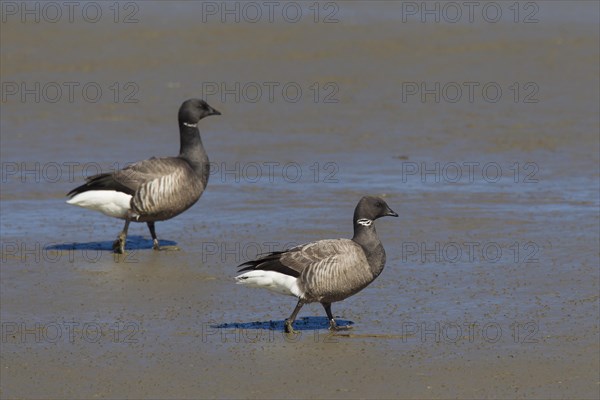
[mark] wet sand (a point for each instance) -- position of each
(491, 283)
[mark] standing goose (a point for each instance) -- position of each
(325, 271)
(155, 189)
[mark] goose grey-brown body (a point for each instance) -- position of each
(325, 271)
(161, 188)
(156, 189)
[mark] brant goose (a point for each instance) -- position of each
(325, 271)
(155, 189)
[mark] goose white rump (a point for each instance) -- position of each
(108, 202)
(274, 281)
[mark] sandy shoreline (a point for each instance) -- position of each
(491, 283)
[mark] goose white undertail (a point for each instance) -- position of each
(109, 202)
(274, 281)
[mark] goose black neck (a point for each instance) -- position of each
(191, 148)
(366, 236)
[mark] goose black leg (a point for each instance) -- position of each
(155, 245)
(289, 321)
(332, 325)
(119, 244)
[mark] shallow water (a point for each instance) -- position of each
(491, 282)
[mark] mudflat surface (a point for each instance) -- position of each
(491, 283)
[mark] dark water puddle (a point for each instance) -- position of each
(133, 243)
(302, 324)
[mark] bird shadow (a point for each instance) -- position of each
(301, 324)
(133, 243)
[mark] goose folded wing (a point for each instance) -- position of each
(295, 260)
(129, 179)
(143, 172)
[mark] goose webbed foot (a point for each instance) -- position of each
(155, 244)
(288, 328)
(119, 245)
(332, 325)
(156, 247)
(335, 327)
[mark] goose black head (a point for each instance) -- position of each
(193, 110)
(370, 208)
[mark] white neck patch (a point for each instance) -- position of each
(365, 221)
(190, 125)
